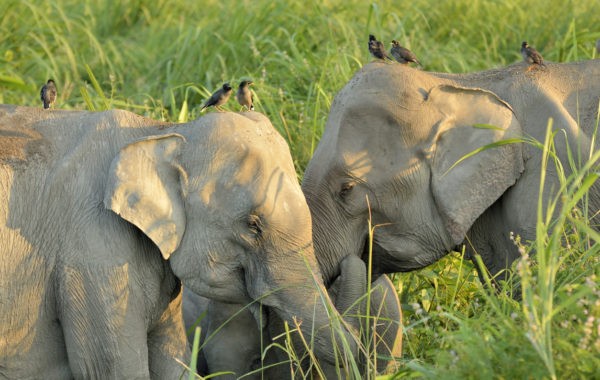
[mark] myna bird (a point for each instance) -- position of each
(402, 54)
(48, 94)
(218, 98)
(377, 49)
(531, 56)
(244, 95)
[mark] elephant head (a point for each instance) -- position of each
(220, 199)
(390, 151)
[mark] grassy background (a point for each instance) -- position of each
(162, 58)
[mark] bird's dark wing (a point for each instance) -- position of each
(536, 57)
(409, 55)
(214, 98)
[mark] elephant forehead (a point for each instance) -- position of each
(255, 179)
(381, 105)
(392, 85)
(383, 122)
(357, 163)
(368, 136)
(375, 166)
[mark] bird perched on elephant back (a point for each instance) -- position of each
(104, 215)
(244, 95)
(48, 94)
(377, 49)
(218, 98)
(397, 138)
(243, 344)
(402, 54)
(531, 56)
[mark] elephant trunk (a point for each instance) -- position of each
(320, 324)
(303, 302)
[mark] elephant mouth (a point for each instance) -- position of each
(260, 313)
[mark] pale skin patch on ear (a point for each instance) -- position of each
(133, 199)
(165, 233)
(184, 179)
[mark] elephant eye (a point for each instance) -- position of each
(346, 189)
(254, 225)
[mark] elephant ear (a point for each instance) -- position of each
(471, 119)
(144, 188)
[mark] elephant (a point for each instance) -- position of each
(233, 339)
(103, 217)
(438, 160)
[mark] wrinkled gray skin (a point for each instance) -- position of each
(235, 345)
(392, 136)
(103, 213)
(240, 338)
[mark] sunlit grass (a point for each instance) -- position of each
(163, 58)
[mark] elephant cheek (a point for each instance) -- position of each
(218, 280)
(261, 281)
(335, 239)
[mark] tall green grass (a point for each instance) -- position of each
(163, 58)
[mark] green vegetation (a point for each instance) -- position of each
(163, 58)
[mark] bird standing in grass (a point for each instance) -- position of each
(48, 94)
(402, 54)
(377, 49)
(531, 56)
(244, 95)
(218, 98)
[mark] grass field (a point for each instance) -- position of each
(162, 58)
